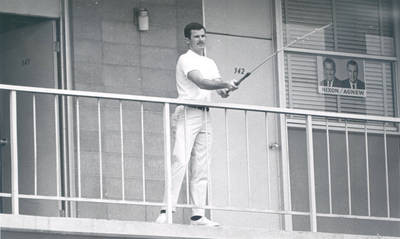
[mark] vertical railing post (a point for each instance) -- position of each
(143, 150)
(285, 172)
(78, 146)
(311, 178)
(100, 147)
(167, 160)
(58, 150)
(121, 125)
(248, 159)
(228, 162)
(14, 152)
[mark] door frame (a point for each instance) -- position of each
(59, 11)
(59, 82)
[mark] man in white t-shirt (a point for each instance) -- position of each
(196, 77)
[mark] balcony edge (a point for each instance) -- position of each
(134, 229)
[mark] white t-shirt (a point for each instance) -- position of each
(192, 61)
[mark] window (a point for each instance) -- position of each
(361, 30)
(358, 26)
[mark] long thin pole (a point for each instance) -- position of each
(279, 50)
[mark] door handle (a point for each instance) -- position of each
(3, 142)
(274, 146)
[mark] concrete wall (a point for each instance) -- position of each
(339, 181)
(110, 55)
(44, 8)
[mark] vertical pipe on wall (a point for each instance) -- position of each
(285, 180)
(61, 126)
(311, 177)
(67, 44)
(14, 153)
(66, 75)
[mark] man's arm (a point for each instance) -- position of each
(197, 78)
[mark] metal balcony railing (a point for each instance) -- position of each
(308, 120)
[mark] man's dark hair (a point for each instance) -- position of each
(192, 26)
(330, 61)
(352, 62)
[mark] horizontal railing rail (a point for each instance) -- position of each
(231, 106)
(309, 120)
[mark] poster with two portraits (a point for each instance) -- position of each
(341, 76)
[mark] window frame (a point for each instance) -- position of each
(392, 60)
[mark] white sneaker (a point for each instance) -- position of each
(203, 221)
(162, 218)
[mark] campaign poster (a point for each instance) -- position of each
(341, 76)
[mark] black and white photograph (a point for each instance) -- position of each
(341, 76)
(199, 119)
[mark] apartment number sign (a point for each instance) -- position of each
(239, 70)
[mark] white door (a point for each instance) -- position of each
(28, 58)
(239, 38)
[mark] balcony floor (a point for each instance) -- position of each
(21, 225)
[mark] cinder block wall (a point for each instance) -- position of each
(111, 55)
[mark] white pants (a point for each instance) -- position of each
(192, 144)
